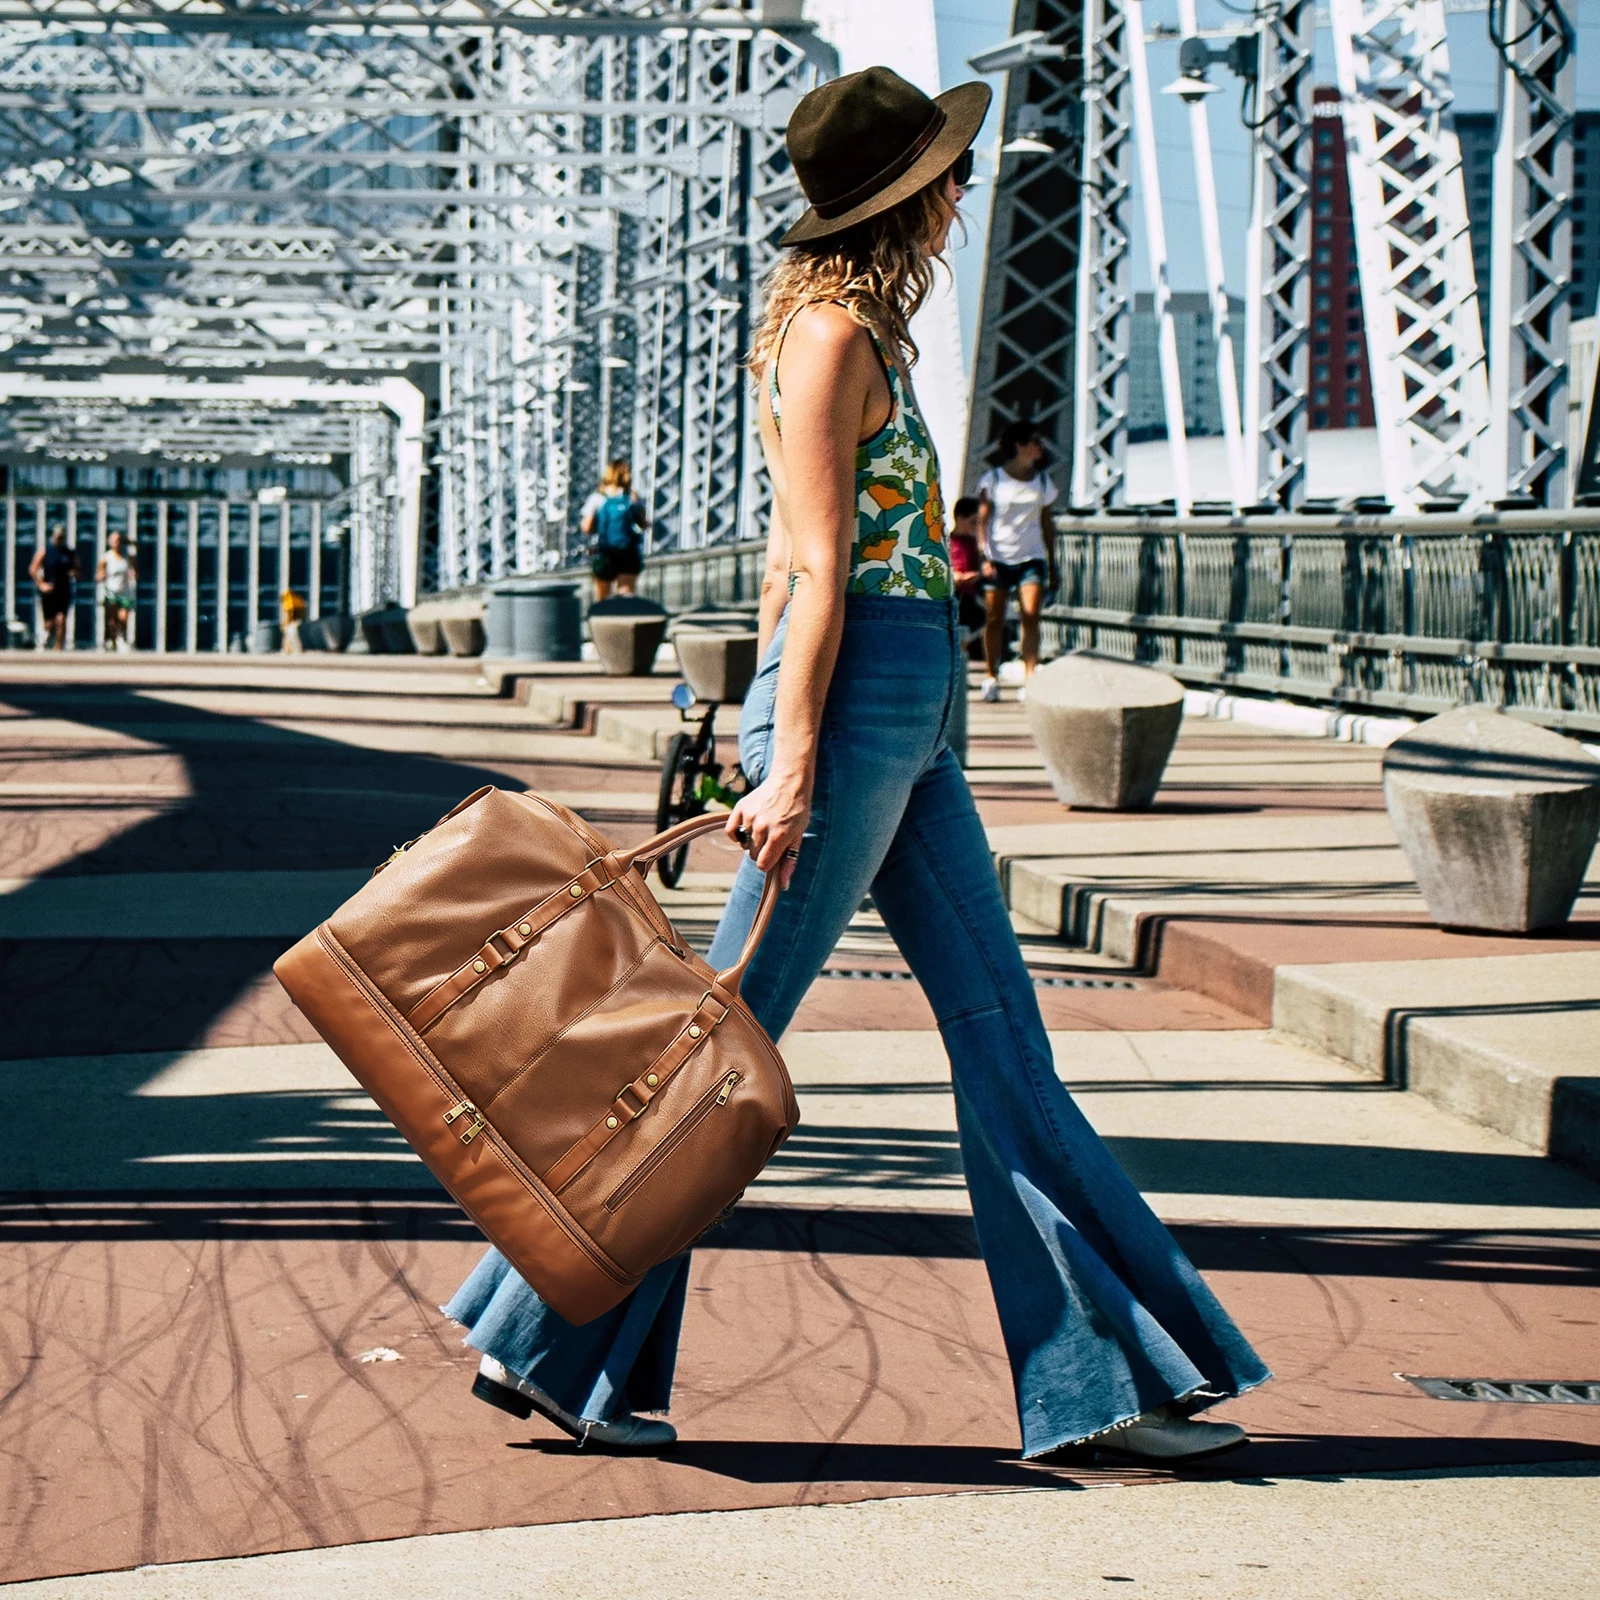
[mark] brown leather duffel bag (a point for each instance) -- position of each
(509, 992)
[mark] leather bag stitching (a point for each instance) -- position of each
(556, 1038)
(556, 898)
(606, 1135)
(508, 1158)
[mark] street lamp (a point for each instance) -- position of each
(1031, 122)
(1020, 50)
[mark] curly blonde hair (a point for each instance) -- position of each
(880, 271)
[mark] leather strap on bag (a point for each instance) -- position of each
(633, 1099)
(502, 947)
(641, 855)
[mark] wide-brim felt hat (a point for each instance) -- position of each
(863, 143)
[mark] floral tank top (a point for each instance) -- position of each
(900, 544)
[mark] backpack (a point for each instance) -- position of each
(614, 523)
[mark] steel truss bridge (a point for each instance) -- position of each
(426, 262)
(354, 297)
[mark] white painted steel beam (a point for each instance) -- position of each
(1419, 295)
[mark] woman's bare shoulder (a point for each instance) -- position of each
(825, 330)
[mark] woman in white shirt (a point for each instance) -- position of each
(1014, 534)
(119, 592)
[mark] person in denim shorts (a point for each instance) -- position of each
(1015, 530)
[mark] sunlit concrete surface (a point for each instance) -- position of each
(1509, 1534)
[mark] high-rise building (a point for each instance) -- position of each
(1197, 365)
(1341, 380)
(1475, 130)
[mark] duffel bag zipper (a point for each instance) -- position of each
(462, 1109)
(697, 1113)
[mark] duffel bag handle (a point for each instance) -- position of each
(641, 855)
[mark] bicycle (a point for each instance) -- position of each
(691, 778)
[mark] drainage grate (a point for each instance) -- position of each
(889, 975)
(1083, 983)
(1508, 1391)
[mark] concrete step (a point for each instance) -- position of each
(1505, 1041)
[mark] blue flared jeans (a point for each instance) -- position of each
(1103, 1315)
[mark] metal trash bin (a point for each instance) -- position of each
(546, 621)
(498, 635)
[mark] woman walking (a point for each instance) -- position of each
(613, 517)
(1015, 532)
(118, 577)
(1109, 1329)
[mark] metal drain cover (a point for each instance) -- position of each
(890, 975)
(1509, 1391)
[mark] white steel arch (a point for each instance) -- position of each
(1419, 295)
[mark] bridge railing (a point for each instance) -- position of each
(716, 576)
(1412, 614)
(1407, 614)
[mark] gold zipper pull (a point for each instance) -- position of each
(727, 1088)
(459, 1111)
(475, 1129)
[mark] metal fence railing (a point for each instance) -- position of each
(718, 575)
(1413, 614)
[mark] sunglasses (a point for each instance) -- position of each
(962, 170)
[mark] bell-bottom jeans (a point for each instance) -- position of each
(1104, 1317)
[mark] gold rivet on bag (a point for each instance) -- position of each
(525, 930)
(651, 1080)
(694, 1030)
(478, 966)
(575, 890)
(611, 1122)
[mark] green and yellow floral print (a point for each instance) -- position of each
(900, 544)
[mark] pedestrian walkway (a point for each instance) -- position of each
(222, 1265)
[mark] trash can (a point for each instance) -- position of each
(498, 635)
(546, 621)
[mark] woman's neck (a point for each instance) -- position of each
(1013, 470)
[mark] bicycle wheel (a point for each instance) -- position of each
(680, 779)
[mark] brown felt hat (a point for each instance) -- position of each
(863, 143)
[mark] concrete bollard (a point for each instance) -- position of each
(461, 624)
(423, 621)
(1497, 817)
(1105, 729)
(627, 632)
(717, 663)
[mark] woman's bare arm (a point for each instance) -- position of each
(774, 579)
(826, 373)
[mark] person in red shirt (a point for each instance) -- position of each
(966, 565)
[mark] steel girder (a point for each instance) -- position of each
(1531, 267)
(1419, 296)
(1278, 294)
(1025, 349)
(560, 213)
(1102, 322)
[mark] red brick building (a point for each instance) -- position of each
(1341, 380)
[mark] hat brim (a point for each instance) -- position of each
(964, 109)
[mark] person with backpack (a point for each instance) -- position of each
(615, 519)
